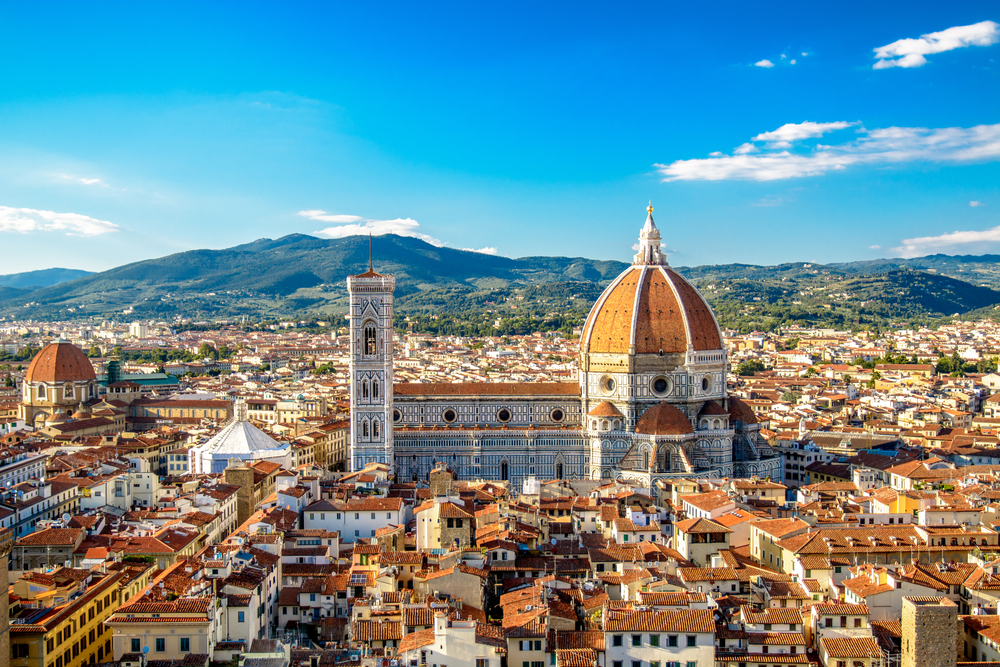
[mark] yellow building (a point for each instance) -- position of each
(171, 630)
(764, 536)
(53, 630)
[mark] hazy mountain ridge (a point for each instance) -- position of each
(300, 275)
(41, 278)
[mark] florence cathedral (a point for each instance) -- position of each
(649, 403)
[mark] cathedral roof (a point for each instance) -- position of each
(486, 389)
(712, 408)
(605, 409)
(60, 362)
(663, 419)
(650, 309)
(740, 411)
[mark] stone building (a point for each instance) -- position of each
(930, 632)
(649, 403)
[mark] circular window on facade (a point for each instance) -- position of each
(557, 415)
(503, 415)
(449, 415)
(706, 382)
(661, 386)
(397, 416)
(608, 384)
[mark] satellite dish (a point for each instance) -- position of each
(67, 516)
(145, 650)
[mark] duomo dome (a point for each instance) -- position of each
(650, 309)
(651, 338)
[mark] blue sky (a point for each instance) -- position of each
(762, 133)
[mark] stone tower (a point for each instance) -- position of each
(370, 317)
(929, 632)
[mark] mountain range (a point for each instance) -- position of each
(300, 275)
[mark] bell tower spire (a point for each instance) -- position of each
(649, 242)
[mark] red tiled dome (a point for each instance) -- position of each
(60, 362)
(712, 408)
(740, 411)
(663, 419)
(653, 309)
(605, 409)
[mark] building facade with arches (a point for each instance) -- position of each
(650, 401)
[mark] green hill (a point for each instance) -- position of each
(445, 290)
(294, 273)
(41, 278)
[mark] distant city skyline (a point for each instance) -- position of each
(762, 136)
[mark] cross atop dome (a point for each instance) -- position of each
(649, 242)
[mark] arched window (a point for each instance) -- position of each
(364, 429)
(364, 389)
(375, 389)
(559, 471)
(375, 428)
(645, 460)
(504, 471)
(41, 391)
(68, 391)
(371, 339)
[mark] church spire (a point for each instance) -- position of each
(649, 242)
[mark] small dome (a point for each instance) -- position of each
(712, 408)
(81, 415)
(57, 417)
(605, 409)
(663, 419)
(741, 412)
(60, 362)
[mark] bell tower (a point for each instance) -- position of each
(370, 319)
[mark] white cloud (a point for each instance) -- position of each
(805, 53)
(355, 225)
(892, 145)
(742, 149)
(25, 220)
(975, 204)
(924, 245)
(82, 179)
(792, 61)
(874, 247)
(911, 52)
(764, 63)
(789, 132)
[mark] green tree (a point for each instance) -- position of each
(207, 351)
(9, 382)
(94, 352)
(749, 367)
